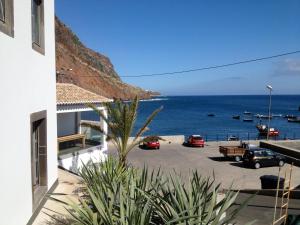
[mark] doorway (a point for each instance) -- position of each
(38, 156)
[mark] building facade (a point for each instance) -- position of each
(28, 163)
(78, 142)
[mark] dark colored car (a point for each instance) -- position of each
(152, 143)
(260, 157)
(195, 141)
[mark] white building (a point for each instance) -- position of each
(78, 143)
(28, 163)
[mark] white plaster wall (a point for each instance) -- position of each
(66, 123)
(27, 85)
(74, 161)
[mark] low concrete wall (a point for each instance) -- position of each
(294, 194)
(180, 139)
(74, 161)
(291, 153)
(174, 139)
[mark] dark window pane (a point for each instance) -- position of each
(2, 8)
(36, 20)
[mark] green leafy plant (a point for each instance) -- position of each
(120, 121)
(128, 196)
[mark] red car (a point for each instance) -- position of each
(195, 141)
(153, 143)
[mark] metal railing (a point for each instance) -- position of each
(246, 136)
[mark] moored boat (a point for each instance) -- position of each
(263, 131)
(294, 120)
(247, 113)
(248, 119)
(290, 117)
(260, 116)
(211, 114)
(237, 117)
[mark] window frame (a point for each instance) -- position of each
(39, 47)
(7, 26)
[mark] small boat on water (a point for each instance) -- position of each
(248, 119)
(290, 117)
(294, 120)
(276, 115)
(260, 116)
(263, 131)
(247, 113)
(211, 114)
(236, 117)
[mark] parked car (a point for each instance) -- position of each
(233, 138)
(151, 143)
(260, 157)
(195, 141)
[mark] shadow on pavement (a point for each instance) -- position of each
(240, 165)
(220, 159)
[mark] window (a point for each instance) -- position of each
(38, 26)
(2, 6)
(269, 153)
(6, 17)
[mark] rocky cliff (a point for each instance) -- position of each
(88, 69)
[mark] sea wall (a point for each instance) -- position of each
(174, 139)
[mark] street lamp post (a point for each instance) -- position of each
(270, 103)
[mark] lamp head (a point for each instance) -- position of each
(269, 87)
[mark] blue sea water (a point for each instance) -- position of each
(188, 115)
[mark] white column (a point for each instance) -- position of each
(104, 128)
(78, 122)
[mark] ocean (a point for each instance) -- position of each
(189, 115)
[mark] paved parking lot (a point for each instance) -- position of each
(207, 161)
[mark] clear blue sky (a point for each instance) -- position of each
(144, 37)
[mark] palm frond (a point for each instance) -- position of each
(121, 120)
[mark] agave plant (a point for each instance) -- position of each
(121, 120)
(128, 196)
(112, 195)
(194, 202)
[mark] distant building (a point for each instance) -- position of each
(28, 163)
(77, 142)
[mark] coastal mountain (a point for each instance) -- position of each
(77, 64)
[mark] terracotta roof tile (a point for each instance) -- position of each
(71, 94)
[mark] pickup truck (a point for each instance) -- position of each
(236, 152)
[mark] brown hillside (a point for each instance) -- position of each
(88, 69)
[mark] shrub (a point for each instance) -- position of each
(126, 196)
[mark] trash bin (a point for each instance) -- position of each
(270, 182)
(293, 220)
